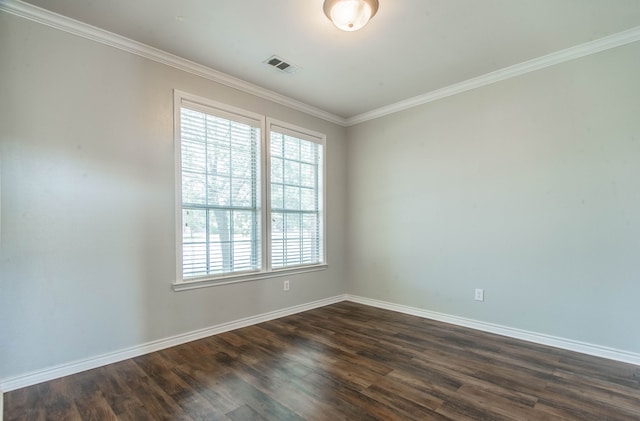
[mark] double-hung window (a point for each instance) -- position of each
(250, 194)
(296, 198)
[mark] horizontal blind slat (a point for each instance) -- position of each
(221, 194)
(296, 200)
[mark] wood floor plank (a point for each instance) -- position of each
(578, 402)
(281, 389)
(623, 396)
(152, 396)
(260, 402)
(209, 385)
(402, 399)
(501, 405)
(19, 404)
(160, 370)
(245, 413)
(89, 399)
(124, 403)
(59, 404)
(343, 392)
(345, 361)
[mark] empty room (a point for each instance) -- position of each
(320, 210)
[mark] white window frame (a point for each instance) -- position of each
(311, 136)
(265, 271)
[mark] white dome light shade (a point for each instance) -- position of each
(350, 15)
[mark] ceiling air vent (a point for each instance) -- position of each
(281, 65)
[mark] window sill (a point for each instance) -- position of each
(205, 283)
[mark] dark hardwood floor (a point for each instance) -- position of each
(343, 362)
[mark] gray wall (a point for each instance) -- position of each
(87, 228)
(529, 188)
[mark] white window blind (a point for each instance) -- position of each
(297, 232)
(249, 195)
(220, 172)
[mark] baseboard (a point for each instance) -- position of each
(35, 377)
(538, 338)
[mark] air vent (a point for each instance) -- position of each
(281, 65)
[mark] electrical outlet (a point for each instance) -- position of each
(286, 285)
(479, 294)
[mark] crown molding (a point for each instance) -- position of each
(72, 26)
(75, 27)
(592, 47)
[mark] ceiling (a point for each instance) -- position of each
(411, 47)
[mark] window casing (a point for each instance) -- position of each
(249, 195)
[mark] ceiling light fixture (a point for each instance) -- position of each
(350, 15)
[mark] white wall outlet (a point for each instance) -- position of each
(286, 285)
(479, 294)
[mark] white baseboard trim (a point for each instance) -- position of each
(538, 338)
(35, 377)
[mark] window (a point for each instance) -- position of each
(220, 192)
(296, 200)
(229, 162)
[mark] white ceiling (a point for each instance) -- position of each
(411, 47)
